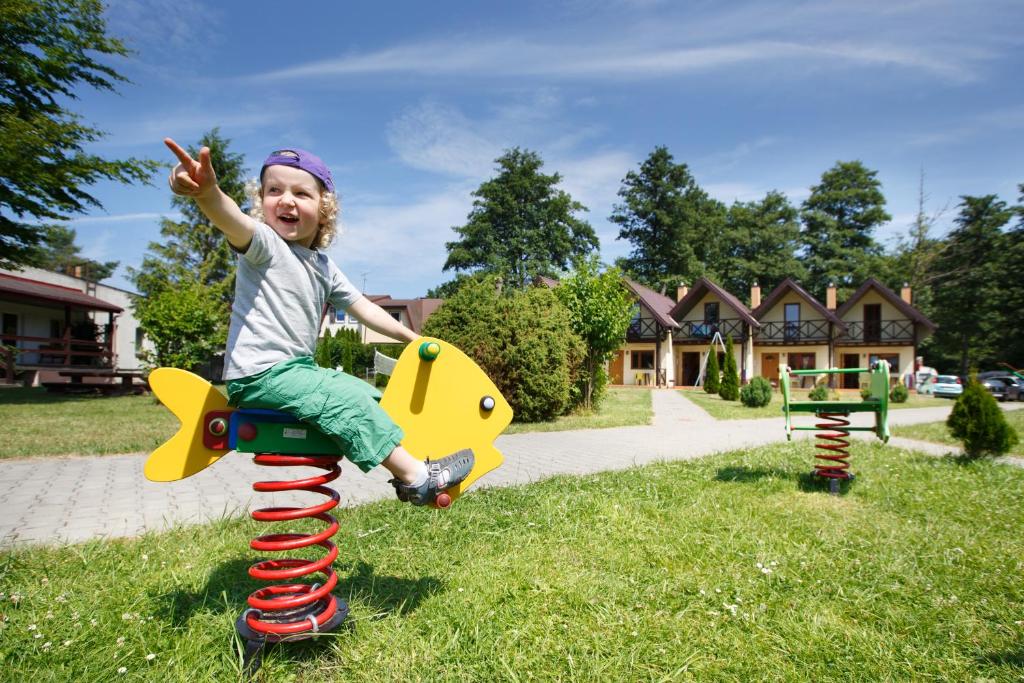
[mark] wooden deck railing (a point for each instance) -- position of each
(56, 352)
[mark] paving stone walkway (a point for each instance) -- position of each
(72, 499)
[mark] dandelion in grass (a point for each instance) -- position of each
(32, 627)
(46, 645)
(67, 642)
(120, 641)
(150, 657)
(122, 670)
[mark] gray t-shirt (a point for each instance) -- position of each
(281, 289)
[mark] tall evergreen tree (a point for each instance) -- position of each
(840, 217)
(761, 241)
(675, 228)
(729, 389)
(193, 249)
(521, 226)
(967, 287)
(1011, 284)
(46, 54)
(915, 254)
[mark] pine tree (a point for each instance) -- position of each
(712, 381)
(730, 386)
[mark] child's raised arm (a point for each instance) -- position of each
(197, 179)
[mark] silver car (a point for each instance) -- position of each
(948, 386)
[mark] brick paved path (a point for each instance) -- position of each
(57, 500)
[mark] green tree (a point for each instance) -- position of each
(840, 217)
(967, 286)
(1011, 283)
(61, 255)
(600, 308)
(914, 257)
(193, 249)
(761, 241)
(523, 340)
(674, 226)
(977, 421)
(730, 386)
(712, 374)
(47, 53)
(521, 225)
(185, 325)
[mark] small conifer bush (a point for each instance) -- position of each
(756, 394)
(978, 422)
(729, 389)
(712, 381)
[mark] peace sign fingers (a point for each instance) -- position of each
(190, 177)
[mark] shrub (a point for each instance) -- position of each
(756, 394)
(978, 422)
(522, 339)
(865, 392)
(819, 392)
(712, 381)
(730, 386)
(899, 393)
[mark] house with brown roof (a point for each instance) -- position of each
(410, 312)
(795, 330)
(879, 325)
(668, 342)
(646, 358)
(63, 328)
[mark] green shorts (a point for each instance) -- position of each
(341, 406)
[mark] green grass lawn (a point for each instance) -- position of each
(37, 423)
(937, 432)
(735, 567)
(734, 410)
(621, 407)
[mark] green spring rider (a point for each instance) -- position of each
(833, 446)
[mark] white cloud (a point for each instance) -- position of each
(401, 243)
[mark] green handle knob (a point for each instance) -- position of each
(429, 350)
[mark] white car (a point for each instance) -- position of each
(949, 386)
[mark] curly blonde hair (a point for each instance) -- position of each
(330, 207)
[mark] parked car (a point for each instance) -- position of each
(1005, 387)
(949, 386)
(995, 386)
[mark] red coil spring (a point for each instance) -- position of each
(295, 608)
(834, 451)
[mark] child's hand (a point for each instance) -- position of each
(191, 178)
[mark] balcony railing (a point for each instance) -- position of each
(690, 330)
(878, 332)
(642, 329)
(794, 332)
(57, 352)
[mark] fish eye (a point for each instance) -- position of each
(487, 403)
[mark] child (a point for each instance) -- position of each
(283, 285)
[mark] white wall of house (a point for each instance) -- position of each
(777, 313)
(127, 326)
(889, 312)
(696, 313)
(904, 357)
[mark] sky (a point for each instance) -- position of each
(410, 103)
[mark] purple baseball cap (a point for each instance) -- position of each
(300, 158)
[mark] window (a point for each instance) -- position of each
(9, 328)
(140, 339)
(397, 315)
(792, 329)
(340, 316)
(711, 312)
(802, 361)
(873, 322)
(641, 360)
(894, 362)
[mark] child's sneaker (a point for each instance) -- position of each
(441, 475)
